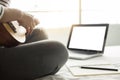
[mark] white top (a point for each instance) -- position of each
(1, 11)
(3, 3)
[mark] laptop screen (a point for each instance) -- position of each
(90, 37)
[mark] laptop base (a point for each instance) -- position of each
(82, 56)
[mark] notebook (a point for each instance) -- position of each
(87, 40)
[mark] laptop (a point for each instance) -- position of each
(87, 40)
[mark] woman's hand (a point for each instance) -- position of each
(28, 21)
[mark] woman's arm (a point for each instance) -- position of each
(24, 19)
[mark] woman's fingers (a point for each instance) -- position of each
(29, 22)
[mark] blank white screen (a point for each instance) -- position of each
(90, 38)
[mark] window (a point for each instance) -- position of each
(100, 11)
(51, 13)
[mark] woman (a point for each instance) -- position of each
(37, 57)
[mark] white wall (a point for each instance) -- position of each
(113, 37)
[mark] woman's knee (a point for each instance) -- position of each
(58, 49)
(41, 32)
(37, 34)
(53, 55)
(59, 53)
(56, 55)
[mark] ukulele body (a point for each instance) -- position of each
(11, 35)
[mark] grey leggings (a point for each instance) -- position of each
(37, 58)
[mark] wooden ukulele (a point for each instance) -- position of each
(11, 34)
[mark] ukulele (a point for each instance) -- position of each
(11, 34)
